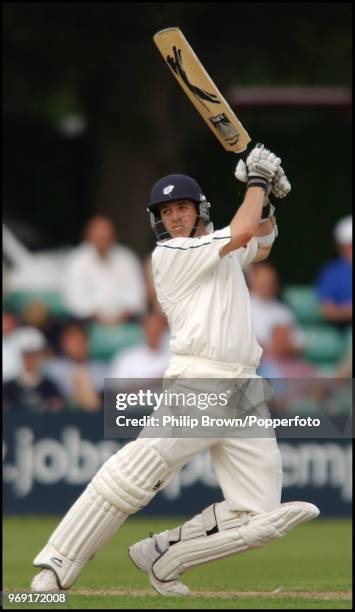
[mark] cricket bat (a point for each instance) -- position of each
(199, 87)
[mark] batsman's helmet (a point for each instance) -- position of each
(172, 188)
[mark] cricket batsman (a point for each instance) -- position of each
(199, 280)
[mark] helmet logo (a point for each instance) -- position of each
(168, 189)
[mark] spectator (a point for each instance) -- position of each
(344, 368)
(334, 282)
(296, 387)
(339, 399)
(81, 381)
(11, 356)
(104, 280)
(281, 357)
(149, 360)
(267, 311)
(31, 390)
(37, 314)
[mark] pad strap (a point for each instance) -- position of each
(267, 211)
(209, 520)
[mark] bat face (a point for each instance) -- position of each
(199, 87)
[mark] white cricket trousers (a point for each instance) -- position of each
(248, 470)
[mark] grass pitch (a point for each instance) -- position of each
(310, 568)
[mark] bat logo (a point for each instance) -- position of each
(157, 485)
(225, 128)
(201, 94)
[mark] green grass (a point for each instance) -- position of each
(312, 565)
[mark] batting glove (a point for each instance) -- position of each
(261, 167)
(280, 185)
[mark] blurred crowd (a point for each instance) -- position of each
(49, 362)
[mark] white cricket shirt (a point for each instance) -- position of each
(206, 299)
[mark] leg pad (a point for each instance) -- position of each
(233, 536)
(123, 485)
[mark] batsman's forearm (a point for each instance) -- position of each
(246, 220)
(248, 215)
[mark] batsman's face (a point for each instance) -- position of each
(178, 218)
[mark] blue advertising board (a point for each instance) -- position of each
(49, 459)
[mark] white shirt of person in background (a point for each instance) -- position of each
(104, 280)
(267, 311)
(146, 361)
(77, 376)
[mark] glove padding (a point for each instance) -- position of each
(279, 185)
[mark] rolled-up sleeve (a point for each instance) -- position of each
(247, 254)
